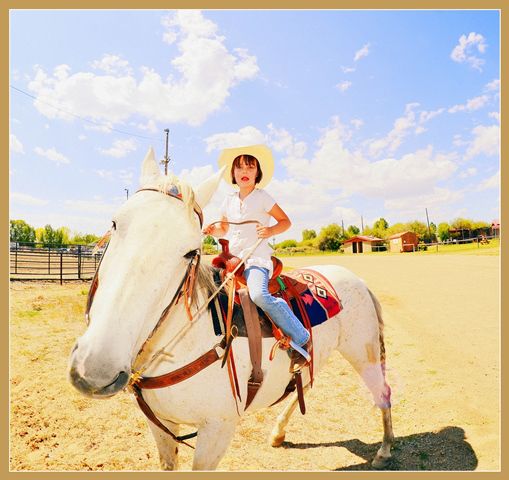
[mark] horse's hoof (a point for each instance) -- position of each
(277, 441)
(379, 462)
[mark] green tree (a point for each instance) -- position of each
(443, 231)
(381, 224)
(418, 227)
(330, 237)
(51, 237)
(83, 239)
(20, 231)
(351, 231)
(308, 235)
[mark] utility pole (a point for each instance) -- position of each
(166, 158)
(343, 228)
(127, 192)
(429, 231)
(362, 225)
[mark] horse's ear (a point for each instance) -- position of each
(149, 167)
(203, 192)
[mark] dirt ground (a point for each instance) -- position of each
(442, 332)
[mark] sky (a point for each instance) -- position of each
(369, 114)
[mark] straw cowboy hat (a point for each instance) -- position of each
(261, 152)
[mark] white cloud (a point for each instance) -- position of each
(485, 141)
(245, 136)
(52, 154)
(473, 104)
(205, 71)
(414, 205)
(150, 126)
(465, 50)
(491, 182)
(402, 127)
(25, 199)
(426, 116)
(493, 86)
(357, 123)
(120, 148)
(344, 86)
(347, 69)
(363, 52)
(124, 176)
(82, 137)
(112, 65)
(15, 145)
(469, 172)
(495, 115)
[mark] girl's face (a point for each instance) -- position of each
(245, 174)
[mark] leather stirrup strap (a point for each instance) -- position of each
(300, 392)
(254, 334)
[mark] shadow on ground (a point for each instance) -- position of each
(442, 450)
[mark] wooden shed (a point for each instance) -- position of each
(495, 228)
(361, 244)
(403, 242)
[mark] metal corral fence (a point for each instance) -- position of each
(39, 262)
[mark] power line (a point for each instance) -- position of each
(83, 118)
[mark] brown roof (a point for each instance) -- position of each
(363, 238)
(397, 235)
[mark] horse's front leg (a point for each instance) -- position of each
(166, 446)
(277, 436)
(214, 437)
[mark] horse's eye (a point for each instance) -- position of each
(114, 224)
(190, 254)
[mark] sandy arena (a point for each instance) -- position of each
(442, 333)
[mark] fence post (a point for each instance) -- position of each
(61, 267)
(16, 259)
(49, 259)
(79, 262)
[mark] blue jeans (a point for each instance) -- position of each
(258, 284)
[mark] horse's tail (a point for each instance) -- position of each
(378, 309)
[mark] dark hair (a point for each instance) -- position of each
(250, 160)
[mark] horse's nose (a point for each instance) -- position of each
(95, 378)
(92, 389)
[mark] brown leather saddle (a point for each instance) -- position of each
(228, 262)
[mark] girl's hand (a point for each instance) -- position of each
(263, 232)
(208, 230)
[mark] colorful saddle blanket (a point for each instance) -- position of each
(315, 293)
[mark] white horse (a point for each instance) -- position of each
(138, 277)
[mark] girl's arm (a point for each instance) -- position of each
(217, 230)
(282, 225)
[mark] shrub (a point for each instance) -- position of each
(286, 244)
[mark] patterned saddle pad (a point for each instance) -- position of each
(317, 294)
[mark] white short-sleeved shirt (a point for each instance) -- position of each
(255, 206)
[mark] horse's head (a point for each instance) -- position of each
(139, 275)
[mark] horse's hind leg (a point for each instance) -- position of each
(383, 455)
(166, 446)
(277, 436)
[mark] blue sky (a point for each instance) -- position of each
(368, 113)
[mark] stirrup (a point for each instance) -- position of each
(300, 357)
